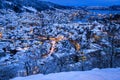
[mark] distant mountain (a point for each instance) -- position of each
(21, 5)
(113, 7)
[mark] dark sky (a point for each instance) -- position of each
(86, 2)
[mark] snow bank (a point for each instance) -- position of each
(95, 74)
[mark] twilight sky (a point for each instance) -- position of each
(86, 2)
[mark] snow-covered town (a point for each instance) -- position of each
(57, 40)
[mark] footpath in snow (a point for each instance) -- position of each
(95, 74)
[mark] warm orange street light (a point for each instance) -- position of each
(0, 35)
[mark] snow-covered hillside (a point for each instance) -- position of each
(25, 5)
(95, 74)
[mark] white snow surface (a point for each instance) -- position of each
(30, 8)
(95, 74)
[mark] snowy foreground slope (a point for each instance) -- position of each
(95, 74)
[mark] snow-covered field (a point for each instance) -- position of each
(95, 74)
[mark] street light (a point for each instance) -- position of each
(0, 35)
